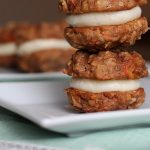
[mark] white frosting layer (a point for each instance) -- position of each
(8, 49)
(104, 18)
(96, 86)
(42, 44)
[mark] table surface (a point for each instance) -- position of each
(14, 128)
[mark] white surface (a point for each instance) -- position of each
(8, 49)
(42, 44)
(96, 86)
(104, 18)
(45, 104)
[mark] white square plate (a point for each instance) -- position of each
(45, 104)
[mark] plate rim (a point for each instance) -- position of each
(53, 122)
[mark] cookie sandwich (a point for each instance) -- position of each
(105, 73)
(42, 47)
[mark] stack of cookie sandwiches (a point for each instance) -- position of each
(8, 46)
(42, 47)
(105, 74)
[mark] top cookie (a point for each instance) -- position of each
(7, 33)
(27, 32)
(85, 6)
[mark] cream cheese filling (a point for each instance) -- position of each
(104, 18)
(7, 49)
(96, 86)
(42, 44)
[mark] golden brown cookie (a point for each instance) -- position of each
(106, 101)
(28, 32)
(107, 65)
(106, 37)
(85, 6)
(45, 60)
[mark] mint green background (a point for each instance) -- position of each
(16, 129)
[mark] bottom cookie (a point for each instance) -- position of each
(44, 61)
(106, 101)
(8, 61)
